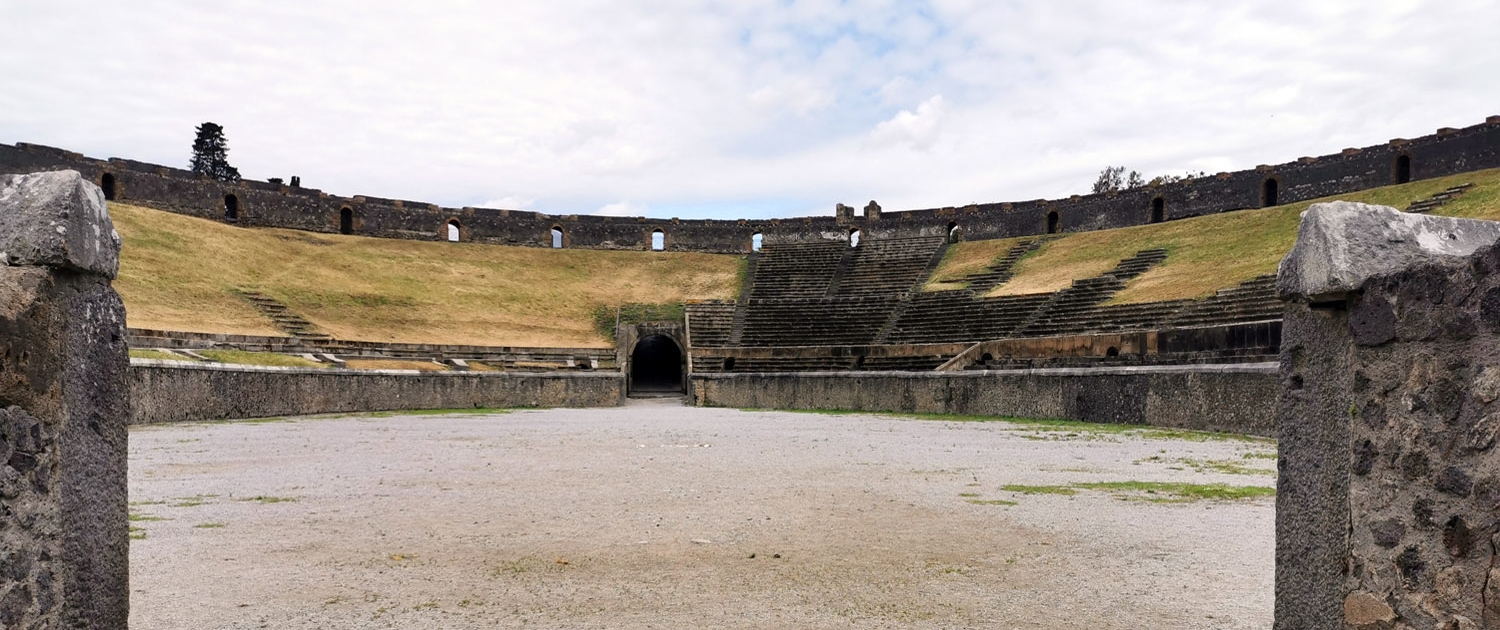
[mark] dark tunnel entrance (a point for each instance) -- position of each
(656, 366)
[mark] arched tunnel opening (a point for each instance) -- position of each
(656, 366)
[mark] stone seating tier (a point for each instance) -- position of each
(958, 316)
(710, 323)
(800, 270)
(820, 322)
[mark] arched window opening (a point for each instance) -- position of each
(1403, 169)
(107, 182)
(756, 240)
(986, 357)
(1112, 352)
(1158, 210)
(728, 364)
(231, 208)
(854, 237)
(346, 221)
(1052, 221)
(1269, 193)
(656, 366)
(454, 230)
(952, 232)
(557, 237)
(658, 240)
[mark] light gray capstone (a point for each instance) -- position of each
(1341, 244)
(57, 219)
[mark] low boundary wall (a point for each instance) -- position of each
(1239, 398)
(168, 391)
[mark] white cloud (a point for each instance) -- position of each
(788, 104)
(914, 130)
(510, 202)
(622, 209)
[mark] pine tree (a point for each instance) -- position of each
(211, 154)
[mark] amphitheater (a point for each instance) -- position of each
(363, 412)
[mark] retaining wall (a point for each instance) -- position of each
(1447, 152)
(168, 391)
(1230, 398)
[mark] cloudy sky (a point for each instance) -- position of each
(728, 109)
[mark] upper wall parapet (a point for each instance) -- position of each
(272, 204)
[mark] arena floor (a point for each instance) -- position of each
(661, 516)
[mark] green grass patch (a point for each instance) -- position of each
(1217, 251)
(266, 500)
(967, 258)
(162, 355)
(968, 495)
(1259, 455)
(605, 316)
(192, 501)
(457, 411)
(136, 517)
(1165, 492)
(1225, 466)
(209, 525)
(240, 357)
(137, 533)
(1062, 490)
(992, 502)
(1053, 429)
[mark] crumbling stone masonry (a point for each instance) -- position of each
(64, 546)
(1389, 412)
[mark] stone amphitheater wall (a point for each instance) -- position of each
(163, 391)
(1447, 152)
(1227, 398)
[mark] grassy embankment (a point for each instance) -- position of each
(180, 273)
(1205, 253)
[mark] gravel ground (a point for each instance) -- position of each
(661, 516)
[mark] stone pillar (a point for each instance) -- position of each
(64, 544)
(843, 215)
(1390, 370)
(872, 211)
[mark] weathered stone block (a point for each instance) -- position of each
(63, 410)
(1393, 404)
(1341, 244)
(56, 219)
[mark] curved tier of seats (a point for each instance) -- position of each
(847, 321)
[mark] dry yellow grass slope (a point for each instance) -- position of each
(968, 257)
(180, 273)
(1213, 252)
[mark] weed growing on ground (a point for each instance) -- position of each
(1153, 491)
(1225, 466)
(161, 355)
(241, 357)
(137, 533)
(264, 500)
(1164, 492)
(209, 525)
(968, 495)
(1259, 455)
(136, 517)
(1063, 490)
(992, 502)
(192, 501)
(457, 411)
(1055, 429)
